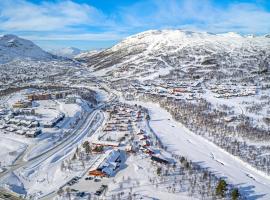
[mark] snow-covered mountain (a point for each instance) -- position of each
(87, 54)
(157, 52)
(68, 52)
(12, 47)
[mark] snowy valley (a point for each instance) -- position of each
(164, 114)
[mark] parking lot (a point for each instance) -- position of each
(90, 186)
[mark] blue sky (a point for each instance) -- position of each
(91, 24)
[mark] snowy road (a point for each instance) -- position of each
(180, 140)
(58, 147)
(88, 127)
(74, 134)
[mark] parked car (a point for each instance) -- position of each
(89, 178)
(81, 194)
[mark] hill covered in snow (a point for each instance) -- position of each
(158, 52)
(13, 47)
(84, 55)
(68, 52)
(216, 85)
(22, 62)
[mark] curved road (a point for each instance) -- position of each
(72, 139)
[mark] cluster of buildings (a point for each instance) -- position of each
(17, 120)
(22, 118)
(29, 128)
(184, 90)
(29, 123)
(38, 96)
(227, 91)
(22, 104)
(120, 118)
(123, 134)
(113, 139)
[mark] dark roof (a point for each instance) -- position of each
(160, 160)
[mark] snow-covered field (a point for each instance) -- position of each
(135, 178)
(181, 141)
(166, 58)
(10, 150)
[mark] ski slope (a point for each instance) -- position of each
(179, 140)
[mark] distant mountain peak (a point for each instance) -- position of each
(68, 52)
(13, 47)
(157, 52)
(9, 36)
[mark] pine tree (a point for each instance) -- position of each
(87, 147)
(60, 192)
(74, 157)
(62, 166)
(221, 188)
(159, 171)
(235, 194)
(77, 151)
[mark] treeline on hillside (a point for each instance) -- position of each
(203, 120)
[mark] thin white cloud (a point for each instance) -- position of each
(246, 18)
(199, 15)
(105, 36)
(68, 20)
(21, 15)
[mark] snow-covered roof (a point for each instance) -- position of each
(106, 162)
(106, 143)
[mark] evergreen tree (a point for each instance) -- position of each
(221, 188)
(77, 151)
(235, 194)
(159, 171)
(60, 192)
(74, 157)
(87, 147)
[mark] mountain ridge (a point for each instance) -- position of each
(155, 50)
(13, 47)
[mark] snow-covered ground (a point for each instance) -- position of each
(46, 111)
(135, 177)
(38, 160)
(44, 175)
(181, 141)
(10, 150)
